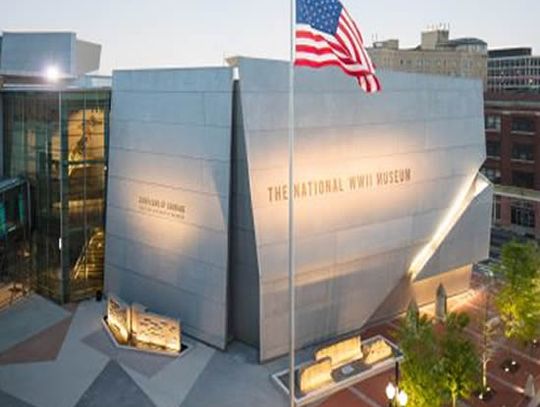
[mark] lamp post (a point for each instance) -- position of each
(396, 397)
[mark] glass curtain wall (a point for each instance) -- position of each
(57, 141)
(14, 242)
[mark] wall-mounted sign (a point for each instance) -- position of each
(161, 207)
(356, 182)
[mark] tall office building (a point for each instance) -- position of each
(514, 70)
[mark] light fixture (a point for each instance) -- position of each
(52, 73)
(402, 398)
(390, 391)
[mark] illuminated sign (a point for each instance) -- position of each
(356, 182)
(161, 207)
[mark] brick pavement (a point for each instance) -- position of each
(508, 386)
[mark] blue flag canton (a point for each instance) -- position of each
(322, 15)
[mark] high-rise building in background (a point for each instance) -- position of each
(513, 69)
(437, 54)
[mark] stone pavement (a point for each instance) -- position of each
(508, 387)
(53, 356)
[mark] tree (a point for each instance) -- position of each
(420, 369)
(518, 301)
(460, 363)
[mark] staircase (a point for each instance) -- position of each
(87, 274)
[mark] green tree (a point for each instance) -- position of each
(518, 301)
(459, 360)
(421, 367)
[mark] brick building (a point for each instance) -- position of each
(513, 160)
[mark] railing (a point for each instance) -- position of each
(87, 274)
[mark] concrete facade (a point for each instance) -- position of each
(417, 148)
(389, 202)
(28, 54)
(168, 195)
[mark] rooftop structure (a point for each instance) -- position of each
(513, 70)
(35, 56)
(436, 54)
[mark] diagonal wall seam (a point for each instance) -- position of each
(471, 190)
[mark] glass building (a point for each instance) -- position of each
(14, 237)
(57, 141)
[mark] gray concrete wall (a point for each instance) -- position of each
(354, 245)
(29, 54)
(170, 147)
(244, 276)
(87, 57)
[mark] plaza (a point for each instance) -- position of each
(62, 357)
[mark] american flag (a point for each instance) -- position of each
(326, 35)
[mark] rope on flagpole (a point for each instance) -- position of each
(292, 327)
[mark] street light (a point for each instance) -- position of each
(402, 398)
(391, 391)
(396, 397)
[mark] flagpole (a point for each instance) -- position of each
(292, 326)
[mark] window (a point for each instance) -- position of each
(497, 208)
(493, 123)
(493, 148)
(494, 175)
(523, 152)
(522, 213)
(524, 124)
(523, 179)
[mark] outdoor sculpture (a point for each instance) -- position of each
(134, 326)
(441, 304)
(377, 351)
(315, 375)
(342, 359)
(118, 319)
(155, 331)
(342, 352)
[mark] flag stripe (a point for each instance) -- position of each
(327, 35)
(309, 34)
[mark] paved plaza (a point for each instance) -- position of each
(52, 356)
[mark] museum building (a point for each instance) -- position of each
(172, 183)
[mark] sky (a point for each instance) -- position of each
(164, 33)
